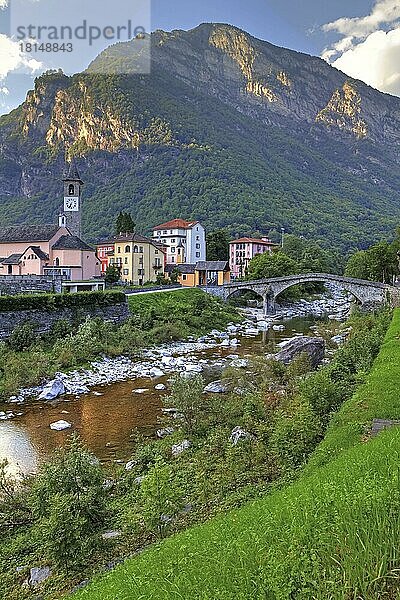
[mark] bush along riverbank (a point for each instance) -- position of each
(214, 453)
(27, 359)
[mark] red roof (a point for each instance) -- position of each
(176, 224)
(247, 240)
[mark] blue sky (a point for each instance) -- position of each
(361, 37)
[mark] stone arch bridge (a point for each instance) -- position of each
(367, 293)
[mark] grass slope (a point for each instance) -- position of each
(334, 534)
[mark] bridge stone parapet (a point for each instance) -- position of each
(369, 294)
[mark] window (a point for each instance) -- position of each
(126, 271)
(119, 250)
(140, 271)
(156, 252)
(141, 249)
(197, 254)
(165, 232)
(141, 260)
(184, 277)
(198, 238)
(126, 260)
(173, 241)
(71, 190)
(127, 249)
(173, 250)
(172, 259)
(135, 249)
(198, 246)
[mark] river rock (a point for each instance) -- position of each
(240, 363)
(216, 387)
(111, 535)
(60, 425)
(239, 434)
(38, 575)
(155, 373)
(162, 433)
(52, 390)
(159, 387)
(314, 347)
(178, 449)
(191, 368)
(130, 465)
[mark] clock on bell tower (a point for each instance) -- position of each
(72, 199)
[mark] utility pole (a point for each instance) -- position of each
(283, 236)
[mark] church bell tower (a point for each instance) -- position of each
(72, 210)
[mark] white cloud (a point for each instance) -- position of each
(376, 60)
(369, 48)
(12, 59)
(3, 4)
(383, 12)
(4, 90)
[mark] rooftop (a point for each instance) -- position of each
(184, 269)
(71, 242)
(39, 252)
(12, 260)
(212, 265)
(248, 240)
(28, 233)
(176, 224)
(138, 239)
(73, 173)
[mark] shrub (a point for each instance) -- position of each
(23, 337)
(68, 500)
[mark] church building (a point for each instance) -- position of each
(54, 250)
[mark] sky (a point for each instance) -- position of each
(360, 37)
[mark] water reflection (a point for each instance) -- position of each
(107, 418)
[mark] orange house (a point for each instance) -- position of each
(203, 273)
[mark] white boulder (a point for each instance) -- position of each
(52, 390)
(60, 425)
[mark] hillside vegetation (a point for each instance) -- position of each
(333, 534)
(226, 129)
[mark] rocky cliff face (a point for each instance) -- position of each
(213, 89)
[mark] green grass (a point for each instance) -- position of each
(334, 534)
(190, 311)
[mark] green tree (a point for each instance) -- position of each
(265, 266)
(218, 245)
(125, 223)
(378, 263)
(159, 499)
(113, 274)
(188, 398)
(69, 503)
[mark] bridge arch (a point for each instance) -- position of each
(355, 293)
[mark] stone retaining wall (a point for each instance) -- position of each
(44, 320)
(11, 285)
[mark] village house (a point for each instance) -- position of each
(140, 259)
(53, 250)
(203, 273)
(241, 252)
(185, 241)
(105, 251)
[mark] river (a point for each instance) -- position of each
(108, 417)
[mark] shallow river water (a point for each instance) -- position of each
(108, 417)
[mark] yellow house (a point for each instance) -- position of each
(212, 273)
(139, 258)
